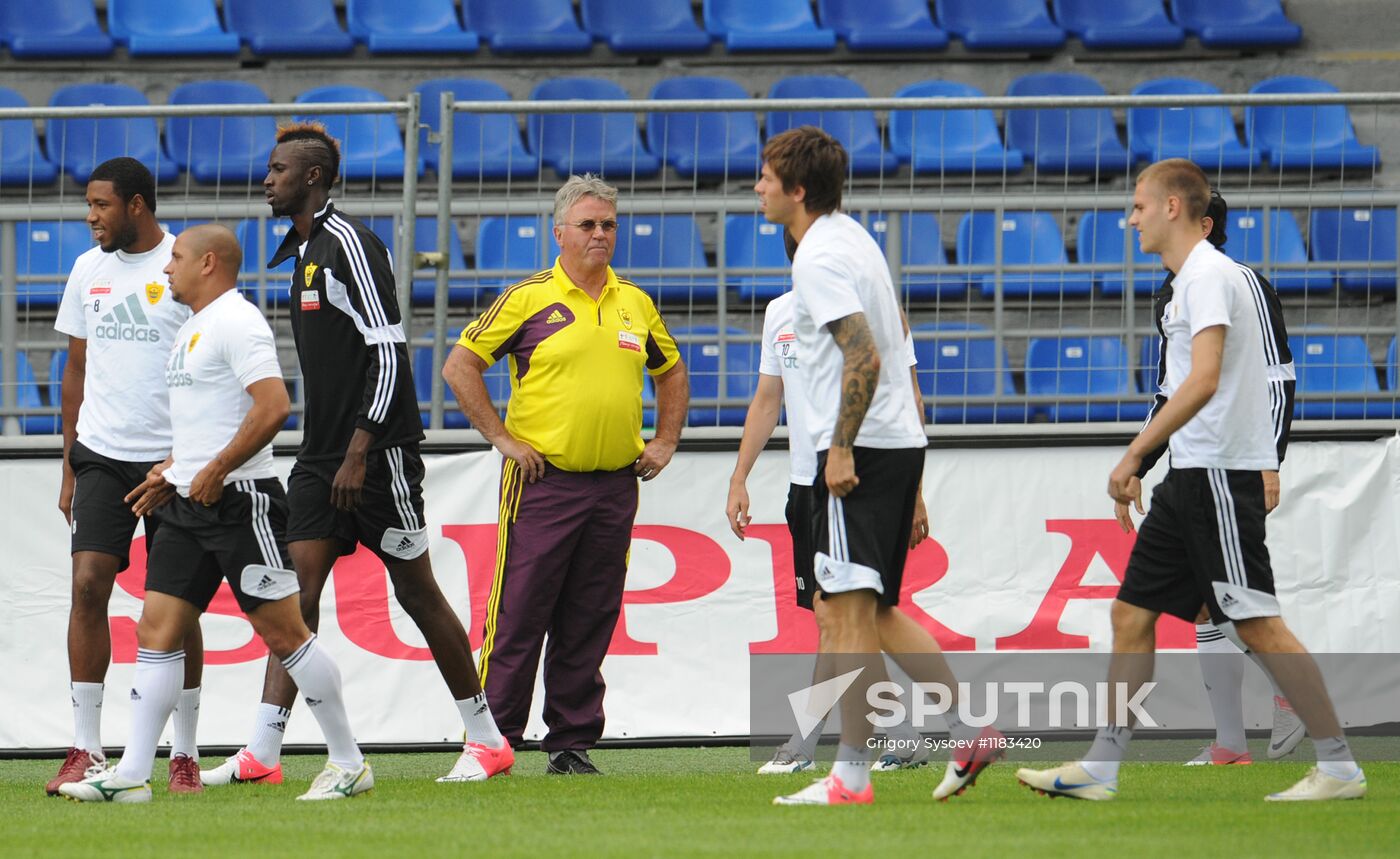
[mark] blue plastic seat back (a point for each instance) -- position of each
(1148, 362)
(1304, 128)
(1356, 235)
(856, 130)
(1066, 366)
(1392, 365)
(1226, 23)
(770, 16)
(287, 26)
(1118, 23)
(1181, 131)
(484, 145)
(750, 242)
(953, 140)
(48, 249)
(1074, 139)
(1244, 241)
(518, 244)
(257, 250)
(221, 147)
(21, 158)
(169, 27)
(920, 244)
(28, 396)
(402, 17)
(740, 378)
(956, 363)
(496, 377)
(460, 290)
(1101, 240)
(661, 241)
(526, 25)
(1335, 363)
(58, 360)
(1011, 24)
(53, 28)
(885, 25)
(1028, 238)
(724, 144)
(79, 145)
(370, 143)
(644, 25)
(606, 143)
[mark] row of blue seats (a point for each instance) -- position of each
(508, 247)
(711, 145)
(69, 28)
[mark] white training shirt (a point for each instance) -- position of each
(779, 358)
(218, 353)
(120, 304)
(839, 271)
(1234, 429)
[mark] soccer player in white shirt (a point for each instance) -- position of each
(1203, 538)
(865, 428)
(120, 320)
(222, 515)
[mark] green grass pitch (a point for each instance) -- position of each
(707, 802)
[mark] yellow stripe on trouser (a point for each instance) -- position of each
(512, 485)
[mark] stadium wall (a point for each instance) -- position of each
(1025, 556)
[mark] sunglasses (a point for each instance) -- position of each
(588, 226)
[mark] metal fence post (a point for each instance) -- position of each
(9, 326)
(408, 224)
(444, 247)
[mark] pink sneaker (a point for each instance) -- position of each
(1218, 755)
(242, 768)
(968, 763)
(478, 763)
(828, 791)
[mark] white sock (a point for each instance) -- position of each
(318, 680)
(154, 691)
(1334, 758)
(1106, 753)
(268, 731)
(1222, 671)
(87, 717)
(852, 766)
(186, 725)
(480, 724)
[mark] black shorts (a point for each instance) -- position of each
(240, 539)
(862, 540)
(102, 519)
(389, 519)
(799, 522)
(1203, 542)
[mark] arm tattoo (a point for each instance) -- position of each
(860, 373)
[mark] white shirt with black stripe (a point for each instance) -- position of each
(218, 353)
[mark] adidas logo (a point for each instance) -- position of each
(555, 318)
(1227, 600)
(404, 545)
(265, 583)
(127, 321)
(135, 696)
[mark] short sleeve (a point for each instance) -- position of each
(768, 364)
(825, 287)
(1206, 303)
(71, 320)
(910, 359)
(251, 353)
(661, 350)
(489, 335)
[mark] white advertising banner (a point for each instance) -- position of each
(1025, 555)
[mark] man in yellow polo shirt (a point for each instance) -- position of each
(579, 340)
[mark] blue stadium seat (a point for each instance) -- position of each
(1205, 135)
(1303, 138)
(949, 141)
(255, 256)
(773, 25)
(1148, 360)
(608, 144)
(701, 357)
(22, 161)
(920, 243)
(79, 145)
(1244, 241)
(1331, 364)
(47, 249)
(1237, 23)
(1356, 235)
(1392, 365)
(176, 226)
(1118, 23)
(27, 397)
(1059, 140)
(497, 378)
(409, 27)
(58, 360)
(287, 27)
(751, 242)
(645, 26)
(1001, 25)
(664, 241)
(954, 364)
(1101, 241)
(221, 148)
(53, 28)
(155, 28)
(895, 25)
(520, 244)
(1066, 366)
(484, 145)
(461, 292)
(527, 26)
(1028, 238)
(370, 144)
(711, 145)
(855, 129)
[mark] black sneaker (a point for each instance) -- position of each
(571, 762)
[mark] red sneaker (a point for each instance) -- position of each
(184, 775)
(967, 763)
(828, 791)
(478, 763)
(242, 768)
(74, 769)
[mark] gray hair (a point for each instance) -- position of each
(576, 189)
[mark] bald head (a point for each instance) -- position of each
(203, 265)
(218, 240)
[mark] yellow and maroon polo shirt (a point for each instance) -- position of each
(576, 365)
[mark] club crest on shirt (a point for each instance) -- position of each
(308, 273)
(626, 317)
(154, 291)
